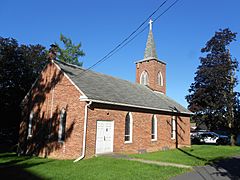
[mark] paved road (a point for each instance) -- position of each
(228, 169)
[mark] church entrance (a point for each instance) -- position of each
(104, 137)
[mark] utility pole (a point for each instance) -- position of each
(231, 110)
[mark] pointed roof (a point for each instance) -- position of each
(150, 50)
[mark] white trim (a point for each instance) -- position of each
(82, 98)
(97, 144)
(52, 102)
(160, 78)
(84, 133)
(135, 106)
(158, 92)
(173, 127)
(144, 78)
(30, 124)
(70, 80)
(130, 127)
(154, 118)
(62, 125)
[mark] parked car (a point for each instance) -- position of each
(210, 138)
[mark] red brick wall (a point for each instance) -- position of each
(141, 131)
(152, 67)
(44, 141)
(53, 92)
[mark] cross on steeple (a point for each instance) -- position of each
(150, 24)
(150, 50)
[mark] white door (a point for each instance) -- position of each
(104, 137)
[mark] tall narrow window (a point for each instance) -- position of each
(173, 127)
(128, 128)
(160, 79)
(154, 128)
(62, 125)
(144, 78)
(30, 124)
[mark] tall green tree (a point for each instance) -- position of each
(212, 97)
(20, 65)
(70, 53)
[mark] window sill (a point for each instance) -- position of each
(153, 140)
(127, 142)
(61, 142)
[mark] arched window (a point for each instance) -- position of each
(154, 128)
(62, 125)
(160, 79)
(173, 127)
(144, 78)
(30, 124)
(128, 127)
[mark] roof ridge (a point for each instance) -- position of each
(69, 64)
(97, 73)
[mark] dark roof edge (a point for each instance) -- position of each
(135, 106)
(150, 58)
(69, 64)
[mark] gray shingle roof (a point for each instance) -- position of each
(106, 88)
(150, 50)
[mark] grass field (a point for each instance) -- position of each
(194, 156)
(14, 167)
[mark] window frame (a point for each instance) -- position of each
(160, 78)
(129, 114)
(154, 128)
(62, 125)
(173, 127)
(30, 124)
(144, 79)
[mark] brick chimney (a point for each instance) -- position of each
(52, 52)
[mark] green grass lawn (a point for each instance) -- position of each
(194, 156)
(14, 167)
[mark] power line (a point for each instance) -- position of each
(139, 32)
(106, 56)
(126, 40)
(146, 27)
(175, 2)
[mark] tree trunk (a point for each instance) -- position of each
(233, 139)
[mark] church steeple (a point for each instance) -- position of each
(150, 50)
(151, 71)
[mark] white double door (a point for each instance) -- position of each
(104, 137)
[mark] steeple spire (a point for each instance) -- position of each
(150, 50)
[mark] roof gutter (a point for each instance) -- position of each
(134, 106)
(84, 133)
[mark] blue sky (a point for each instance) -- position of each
(100, 25)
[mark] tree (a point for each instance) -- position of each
(70, 53)
(212, 97)
(20, 65)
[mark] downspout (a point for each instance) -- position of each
(51, 114)
(84, 132)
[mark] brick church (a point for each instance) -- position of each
(71, 113)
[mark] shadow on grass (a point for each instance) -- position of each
(220, 167)
(228, 167)
(16, 168)
(191, 155)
